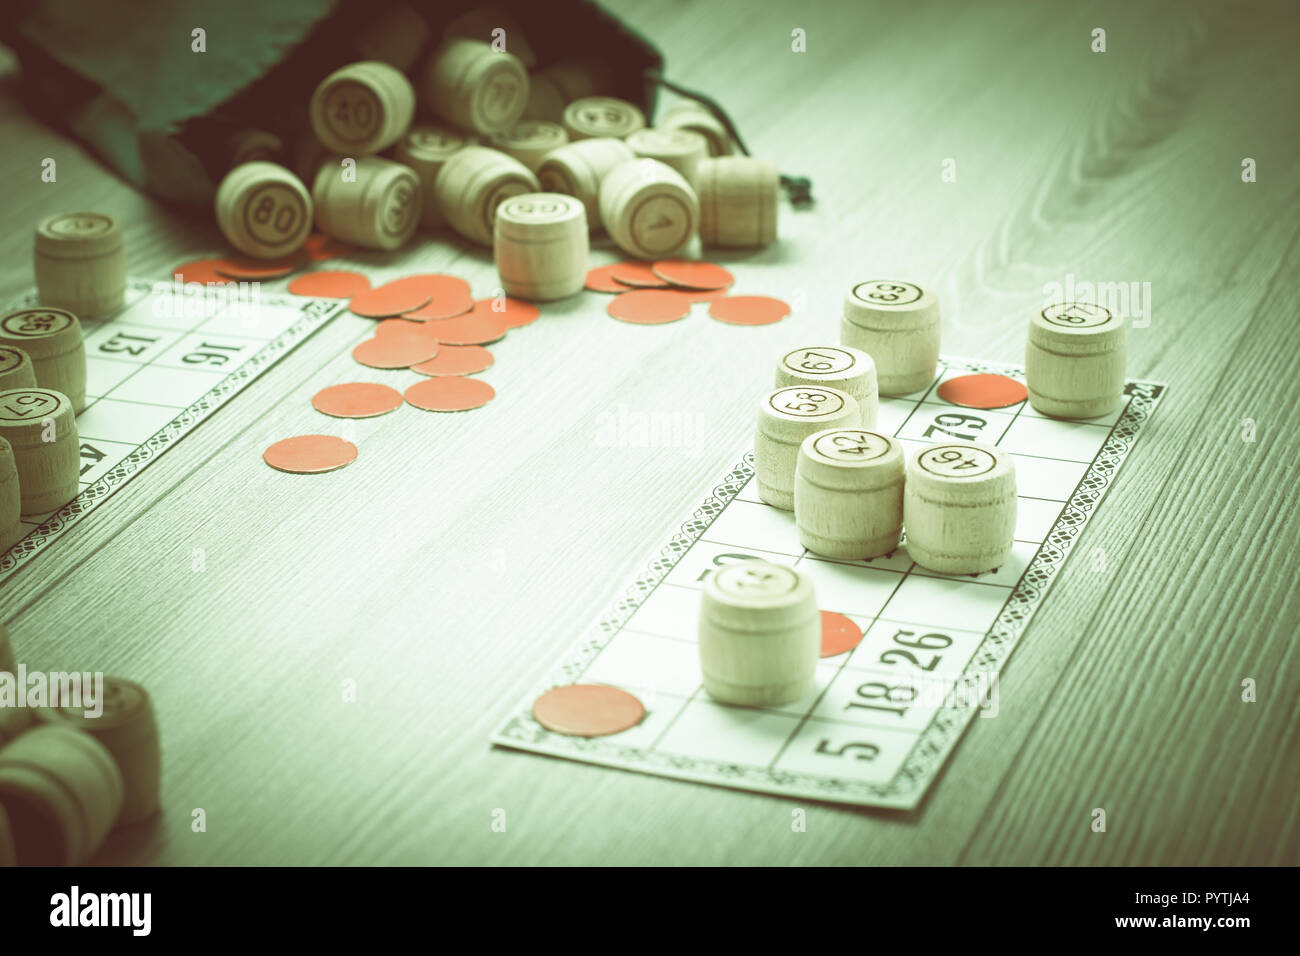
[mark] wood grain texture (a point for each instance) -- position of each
(445, 577)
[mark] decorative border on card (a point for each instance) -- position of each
(940, 736)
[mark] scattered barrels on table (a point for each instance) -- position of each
(472, 86)
(648, 208)
(594, 116)
(425, 148)
(738, 201)
(379, 208)
(263, 210)
(62, 791)
(530, 141)
(39, 425)
(1075, 360)
(577, 169)
(473, 183)
(682, 149)
(959, 507)
(81, 263)
(848, 493)
(897, 324)
(694, 116)
(785, 418)
(53, 342)
(541, 246)
(362, 108)
(759, 634)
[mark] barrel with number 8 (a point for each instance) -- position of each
(785, 418)
(379, 208)
(263, 210)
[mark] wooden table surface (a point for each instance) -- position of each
(447, 569)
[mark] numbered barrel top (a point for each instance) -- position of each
(807, 403)
(1077, 327)
(891, 303)
(953, 466)
(123, 702)
(23, 406)
(78, 234)
(532, 134)
(829, 361)
(38, 323)
(602, 116)
(540, 209)
(851, 448)
(758, 584)
(431, 143)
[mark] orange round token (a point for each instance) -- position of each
(748, 309)
(475, 328)
(839, 634)
(403, 326)
(310, 454)
(649, 306)
(638, 274)
(693, 275)
(250, 268)
(318, 247)
(444, 307)
(456, 360)
(600, 279)
(450, 393)
(330, 285)
(588, 710)
(516, 312)
(395, 350)
(983, 391)
(357, 400)
(392, 298)
(201, 270)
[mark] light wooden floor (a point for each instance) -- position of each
(447, 568)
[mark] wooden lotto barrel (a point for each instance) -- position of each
(379, 208)
(785, 418)
(16, 369)
(38, 423)
(425, 148)
(897, 324)
(693, 116)
(263, 210)
(253, 146)
(52, 340)
(848, 493)
(738, 201)
(529, 141)
(81, 263)
(759, 634)
(473, 183)
(648, 209)
(128, 729)
(681, 149)
(594, 116)
(472, 86)
(959, 507)
(11, 526)
(837, 366)
(1075, 360)
(362, 108)
(577, 169)
(541, 246)
(62, 791)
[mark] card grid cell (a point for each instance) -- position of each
(965, 624)
(156, 368)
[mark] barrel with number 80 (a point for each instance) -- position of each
(263, 210)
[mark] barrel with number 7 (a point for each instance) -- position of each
(263, 210)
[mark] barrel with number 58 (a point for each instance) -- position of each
(263, 210)
(786, 417)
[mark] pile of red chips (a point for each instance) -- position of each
(236, 268)
(660, 292)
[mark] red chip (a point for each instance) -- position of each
(403, 326)
(330, 285)
(310, 454)
(395, 350)
(839, 634)
(601, 279)
(201, 270)
(983, 391)
(444, 307)
(357, 400)
(588, 710)
(638, 274)
(748, 310)
(392, 298)
(516, 312)
(649, 306)
(456, 360)
(450, 393)
(476, 328)
(318, 247)
(448, 296)
(693, 275)
(251, 269)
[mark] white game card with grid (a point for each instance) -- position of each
(166, 360)
(884, 716)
